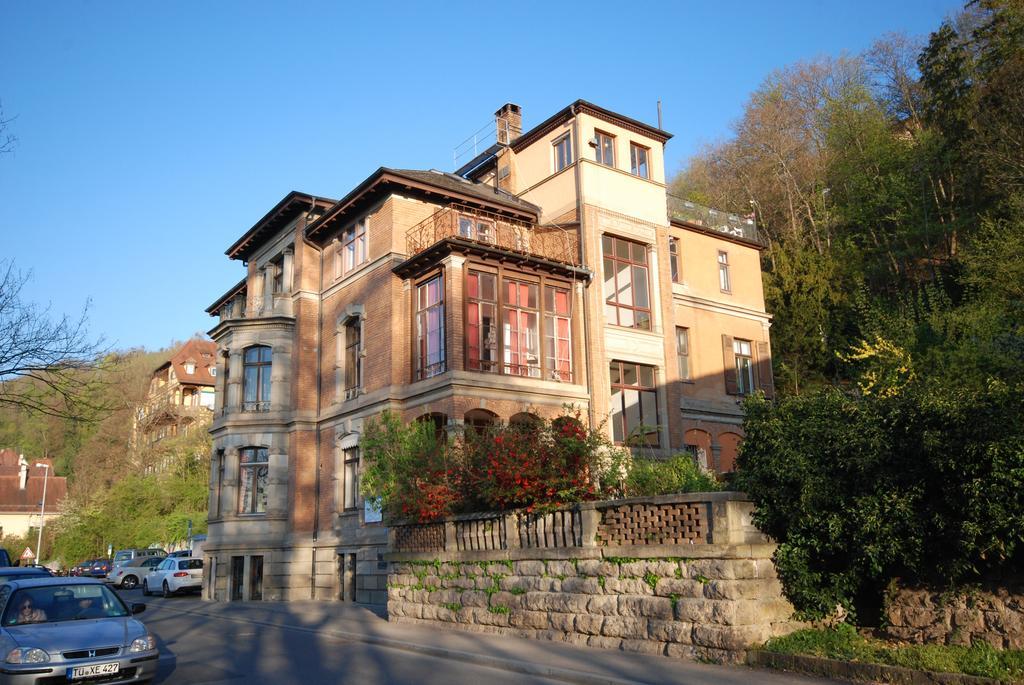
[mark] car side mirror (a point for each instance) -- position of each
(138, 608)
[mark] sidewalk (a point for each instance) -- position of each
(560, 661)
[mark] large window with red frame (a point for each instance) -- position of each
(521, 328)
(626, 293)
(557, 333)
(481, 321)
(634, 405)
(430, 360)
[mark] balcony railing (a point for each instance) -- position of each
(712, 219)
(487, 229)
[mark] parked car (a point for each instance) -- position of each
(72, 629)
(5, 558)
(9, 573)
(174, 575)
(80, 568)
(123, 556)
(99, 569)
(130, 574)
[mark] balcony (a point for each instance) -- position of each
(733, 225)
(463, 229)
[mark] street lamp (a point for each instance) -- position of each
(42, 513)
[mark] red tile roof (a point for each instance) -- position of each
(201, 352)
(15, 500)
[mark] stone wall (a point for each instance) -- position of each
(708, 600)
(994, 615)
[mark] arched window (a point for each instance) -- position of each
(440, 423)
(524, 419)
(353, 356)
(256, 364)
(480, 419)
(253, 471)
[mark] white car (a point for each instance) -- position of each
(173, 575)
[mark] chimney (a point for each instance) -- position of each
(509, 120)
(22, 472)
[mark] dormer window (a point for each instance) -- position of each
(213, 371)
(190, 368)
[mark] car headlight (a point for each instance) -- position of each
(142, 644)
(27, 655)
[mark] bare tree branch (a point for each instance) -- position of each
(47, 365)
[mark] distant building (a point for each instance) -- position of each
(551, 269)
(21, 493)
(181, 393)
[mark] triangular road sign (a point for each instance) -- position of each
(28, 554)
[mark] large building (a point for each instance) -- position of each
(552, 269)
(21, 493)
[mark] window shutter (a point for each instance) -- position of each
(732, 386)
(765, 379)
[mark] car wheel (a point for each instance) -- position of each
(130, 582)
(167, 590)
(145, 588)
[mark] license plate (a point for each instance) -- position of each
(93, 670)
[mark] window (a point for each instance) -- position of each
(256, 365)
(354, 245)
(190, 368)
(626, 296)
(634, 406)
(252, 487)
(563, 152)
(673, 260)
(744, 366)
(521, 328)
(351, 476)
(476, 229)
(353, 357)
(277, 276)
(683, 352)
(213, 370)
(604, 148)
(557, 334)
(723, 272)
(481, 322)
(430, 360)
(638, 161)
(256, 577)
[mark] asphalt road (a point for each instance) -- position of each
(204, 643)
(195, 649)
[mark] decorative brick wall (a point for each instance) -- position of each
(693, 599)
(993, 615)
(654, 524)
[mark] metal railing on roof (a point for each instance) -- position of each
(734, 225)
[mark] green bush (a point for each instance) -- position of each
(922, 484)
(679, 473)
(845, 643)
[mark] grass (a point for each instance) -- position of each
(846, 644)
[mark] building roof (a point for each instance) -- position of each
(14, 500)
(232, 291)
(203, 353)
(284, 211)
(426, 182)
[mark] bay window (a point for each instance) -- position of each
(430, 357)
(626, 293)
(521, 328)
(254, 468)
(634, 405)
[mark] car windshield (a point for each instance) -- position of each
(55, 603)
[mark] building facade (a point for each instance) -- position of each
(180, 397)
(551, 269)
(21, 494)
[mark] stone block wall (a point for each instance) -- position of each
(698, 600)
(994, 615)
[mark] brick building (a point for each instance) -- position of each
(553, 268)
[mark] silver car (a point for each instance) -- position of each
(72, 629)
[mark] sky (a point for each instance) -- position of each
(150, 136)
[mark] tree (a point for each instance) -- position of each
(46, 366)
(7, 140)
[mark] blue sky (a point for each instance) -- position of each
(152, 135)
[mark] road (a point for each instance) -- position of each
(209, 644)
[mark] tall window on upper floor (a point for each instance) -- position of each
(674, 260)
(604, 148)
(253, 472)
(353, 356)
(521, 328)
(350, 487)
(277, 276)
(352, 249)
(563, 152)
(638, 165)
(683, 352)
(634, 404)
(256, 365)
(626, 293)
(744, 366)
(430, 359)
(481, 322)
(723, 272)
(557, 333)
